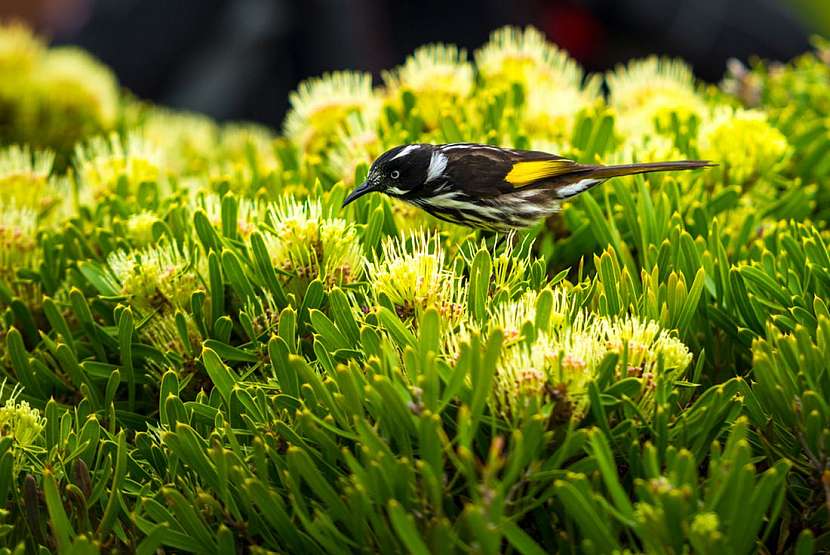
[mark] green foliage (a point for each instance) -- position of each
(201, 352)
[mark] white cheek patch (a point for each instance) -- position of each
(406, 150)
(437, 165)
(575, 188)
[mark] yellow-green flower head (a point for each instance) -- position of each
(22, 422)
(160, 278)
(73, 97)
(104, 162)
(524, 56)
(320, 106)
(438, 75)
(24, 425)
(249, 144)
(648, 91)
(645, 342)
(18, 240)
(550, 111)
(646, 148)
(744, 141)
(248, 212)
(413, 277)
(140, 227)
(510, 317)
(187, 141)
(24, 177)
(564, 361)
(357, 143)
(20, 50)
(309, 244)
(162, 333)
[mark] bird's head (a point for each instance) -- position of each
(397, 172)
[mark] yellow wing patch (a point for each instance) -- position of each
(524, 173)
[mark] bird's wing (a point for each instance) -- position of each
(491, 171)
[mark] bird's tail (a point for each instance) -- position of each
(607, 172)
(585, 177)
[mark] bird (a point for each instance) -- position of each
(490, 187)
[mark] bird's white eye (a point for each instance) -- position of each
(395, 174)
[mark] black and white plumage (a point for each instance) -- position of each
(488, 187)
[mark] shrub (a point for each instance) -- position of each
(202, 352)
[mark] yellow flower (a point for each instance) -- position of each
(103, 164)
(162, 333)
(647, 148)
(20, 50)
(744, 141)
(185, 140)
(357, 143)
(73, 96)
(438, 75)
(310, 245)
(24, 177)
(24, 425)
(414, 278)
(320, 106)
(647, 92)
(524, 56)
(140, 227)
(19, 249)
(550, 111)
(160, 278)
(250, 145)
(645, 342)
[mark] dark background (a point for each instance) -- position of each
(239, 59)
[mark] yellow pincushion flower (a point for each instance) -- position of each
(162, 333)
(20, 50)
(550, 111)
(320, 106)
(648, 91)
(414, 278)
(563, 361)
(24, 425)
(438, 75)
(185, 140)
(140, 227)
(18, 239)
(250, 145)
(19, 249)
(103, 164)
(357, 143)
(73, 96)
(524, 56)
(159, 278)
(644, 342)
(744, 141)
(648, 148)
(308, 244)
(24, 177)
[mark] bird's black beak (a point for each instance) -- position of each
(361, 190)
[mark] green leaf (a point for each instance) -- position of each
(61, 526)
(479, 284)
(221, 376)
(405, 529)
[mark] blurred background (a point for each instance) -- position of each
(240, 59)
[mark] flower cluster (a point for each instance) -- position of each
(412, 275)
(306, 244)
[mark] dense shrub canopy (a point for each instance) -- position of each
(203, 353)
